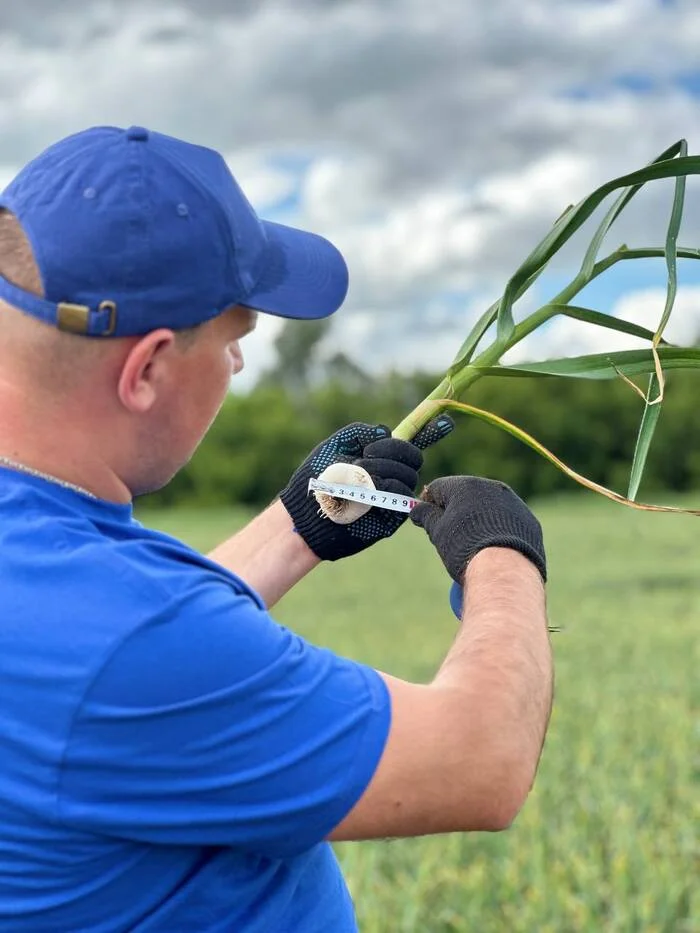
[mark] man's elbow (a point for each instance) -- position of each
(503, 814)
(496, 816)
(501, 801)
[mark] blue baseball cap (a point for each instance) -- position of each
(134, 230)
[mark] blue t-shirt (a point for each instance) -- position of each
(171, 759)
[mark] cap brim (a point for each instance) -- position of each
(304, 277)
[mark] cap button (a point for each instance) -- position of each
(138, 133)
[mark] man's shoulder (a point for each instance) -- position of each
(163, 565)
(67, 570)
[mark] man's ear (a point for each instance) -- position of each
(146, 370)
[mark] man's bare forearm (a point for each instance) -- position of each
(268, 554)
(462, 751)
(501, 665)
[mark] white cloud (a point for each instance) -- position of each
(7, 173)
(440, 140)
(568, 337)
(265, 184)
(540, 183)
(258, 352)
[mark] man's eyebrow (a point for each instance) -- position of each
(252, 321)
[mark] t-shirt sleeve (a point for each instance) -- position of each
(213, 725)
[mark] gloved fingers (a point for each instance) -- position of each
(467, 489)
(382, 471)
(425, 515)
(351, 440)
(433, 432)
(389, 448)
(440, 490)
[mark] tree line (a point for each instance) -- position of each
(259, 439)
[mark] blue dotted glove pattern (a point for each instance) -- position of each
(393, 466)
(345, 446)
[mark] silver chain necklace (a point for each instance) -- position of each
(47, 476)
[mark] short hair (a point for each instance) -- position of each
(17, 262)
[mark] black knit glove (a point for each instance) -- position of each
(462, 515)
(393, 466)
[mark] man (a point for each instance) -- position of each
(172, 759)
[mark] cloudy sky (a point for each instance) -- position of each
(433, 142)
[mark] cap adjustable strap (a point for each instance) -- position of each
(79, 319)
(66, 316)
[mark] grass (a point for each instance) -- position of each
(609, 839)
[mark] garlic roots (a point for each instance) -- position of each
(342, 511)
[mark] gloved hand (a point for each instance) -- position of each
(462, 515)
(393, 466)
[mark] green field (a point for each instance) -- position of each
(609, 839)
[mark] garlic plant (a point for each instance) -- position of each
(476, 361)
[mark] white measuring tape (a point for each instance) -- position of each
(365, 495)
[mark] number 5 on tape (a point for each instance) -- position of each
(373, 497)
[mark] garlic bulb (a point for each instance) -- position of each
(342, 511)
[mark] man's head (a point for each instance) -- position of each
(131, 265)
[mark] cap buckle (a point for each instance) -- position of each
(75, 319)
(110, 306)
(72, 318)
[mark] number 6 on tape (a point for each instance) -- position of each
(373, 497)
